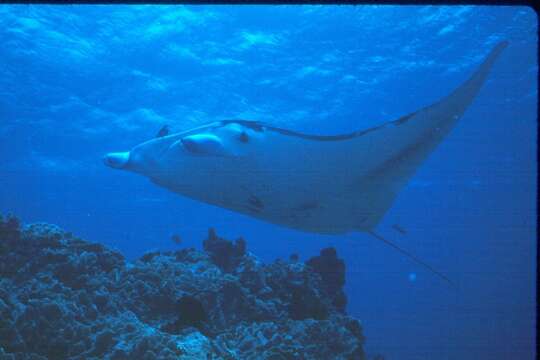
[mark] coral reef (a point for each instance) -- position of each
(62, 297)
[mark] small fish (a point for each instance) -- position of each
(294, 257)
(399, 229)
(176, 239)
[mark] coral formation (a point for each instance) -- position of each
(62, 297)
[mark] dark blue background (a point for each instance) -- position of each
(79, 81)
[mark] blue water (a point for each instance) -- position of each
(79, 81)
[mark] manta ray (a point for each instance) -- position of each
(327, 184)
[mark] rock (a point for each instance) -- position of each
(9, 229)
(61, 297)
(332, 271)
(190, 313)
(224, 253)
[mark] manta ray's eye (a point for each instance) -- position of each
(244, 137)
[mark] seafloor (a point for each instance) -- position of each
(65, 298)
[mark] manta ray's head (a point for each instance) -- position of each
(185, 158)
(141, 158)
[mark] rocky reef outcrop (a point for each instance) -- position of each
(65, 298)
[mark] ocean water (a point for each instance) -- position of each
(77, 82)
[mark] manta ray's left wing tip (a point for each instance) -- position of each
(497, 50)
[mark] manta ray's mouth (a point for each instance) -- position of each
(116, 160)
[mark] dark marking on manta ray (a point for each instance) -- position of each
(253, 210)
(164, 131)
(259, 126)
(404, 119)
(362, 219)
(255, 204)
(309, 205)
(250, 124)
(399, 229)
(244, 137)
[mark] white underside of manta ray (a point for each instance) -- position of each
(321, 184)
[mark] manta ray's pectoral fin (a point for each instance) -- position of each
(202, 144)
(398, 148)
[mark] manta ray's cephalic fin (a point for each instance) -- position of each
(412, 257)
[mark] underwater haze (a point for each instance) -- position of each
(77, 82)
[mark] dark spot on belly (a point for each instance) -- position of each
(255, 201)
(362, 219)
(255, 204)
(308, 205)
(244, 137)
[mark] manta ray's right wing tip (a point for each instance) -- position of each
(502, 44)
(499, 48)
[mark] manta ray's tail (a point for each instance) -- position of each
(412, 257)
